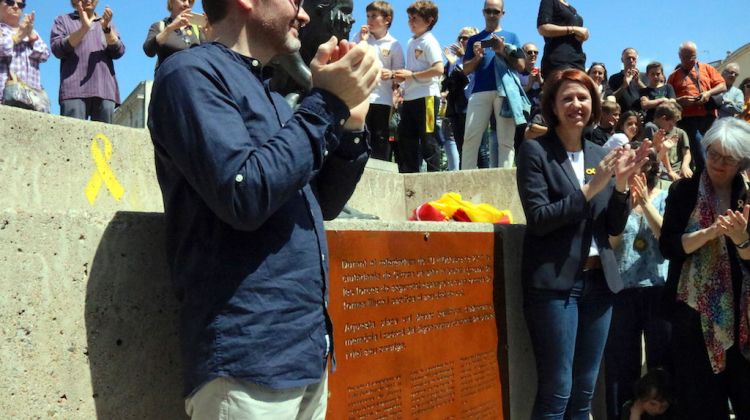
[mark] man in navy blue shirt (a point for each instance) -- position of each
(484, 101)
(247, 183)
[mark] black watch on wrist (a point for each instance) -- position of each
(107, 30)
(744, 244)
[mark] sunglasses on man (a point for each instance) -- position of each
(10, 3)
(492, 12)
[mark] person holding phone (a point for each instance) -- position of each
(484, 101)
(181, 30)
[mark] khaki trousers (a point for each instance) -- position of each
(232, 399)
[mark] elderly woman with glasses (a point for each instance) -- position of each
(181, 30)
(705, 236)
(21, 47)
(564, 34)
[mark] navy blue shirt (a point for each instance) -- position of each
(246, 184)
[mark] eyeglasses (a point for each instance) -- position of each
(732, 73)
(492, 12)
(463, 38)
(531, 52)
(10, 3)
(718, 157)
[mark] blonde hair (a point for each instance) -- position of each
(469, 30)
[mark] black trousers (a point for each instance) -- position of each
(417, 137)
(378, 119)
(696, 127)
(702, 394)
(635, 311)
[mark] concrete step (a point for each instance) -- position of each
(47, 163)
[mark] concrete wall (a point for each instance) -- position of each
(47, 163)
(88, 314)
(89, 319)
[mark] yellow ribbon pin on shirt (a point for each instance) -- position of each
(591, 171)
(103, 174)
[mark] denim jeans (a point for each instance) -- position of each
(568, 332)
(449, 145)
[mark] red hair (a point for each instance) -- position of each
(552, 85)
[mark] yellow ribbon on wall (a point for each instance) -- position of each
(104, 175)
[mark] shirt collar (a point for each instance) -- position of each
(253, 64)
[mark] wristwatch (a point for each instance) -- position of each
(744, 244)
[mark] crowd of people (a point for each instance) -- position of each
(472, 110)
(491, 85)
(635, 184)
(87, 44)
(596, 158)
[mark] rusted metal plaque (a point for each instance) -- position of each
(415, 335)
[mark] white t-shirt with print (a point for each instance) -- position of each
(421, 53)
(392, 57)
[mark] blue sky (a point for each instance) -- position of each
(655, 28)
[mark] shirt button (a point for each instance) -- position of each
(342, 122)
(323, 257)
(254, 63)
(239, 178)
(356, 140)
(325, 152)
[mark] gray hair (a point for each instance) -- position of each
(688, 45)
(734, 65)
(733, 135)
